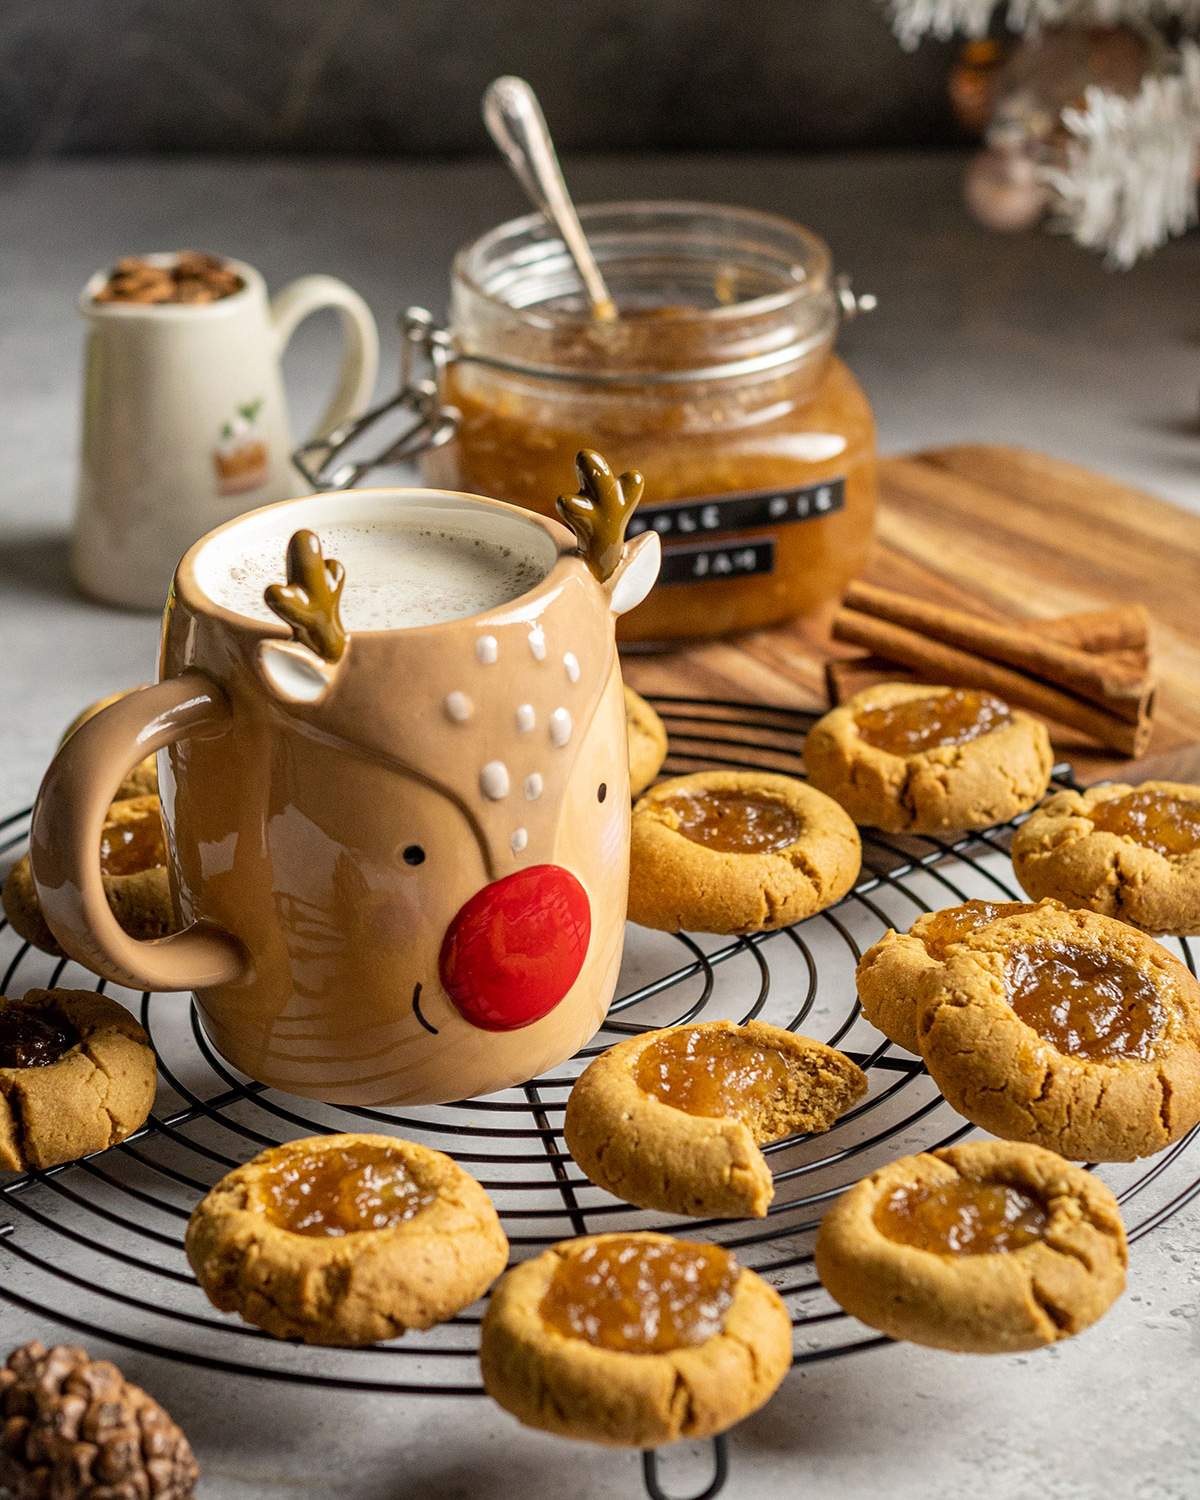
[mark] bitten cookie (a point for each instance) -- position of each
(633, 1340)
(133, 864)
(894, 972)
(737, 851)
(984, 1248)
(1128, 852)
(1068, 1030)
(913, 759)
(674, 1119)
(77, 1075)
(346, 1239)
(142, 781)
(647, 742)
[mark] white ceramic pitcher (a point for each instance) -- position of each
(185, 423)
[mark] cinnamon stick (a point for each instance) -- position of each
(1122, 628)
(942, 662)
(1116, 684)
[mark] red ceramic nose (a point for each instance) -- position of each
(516, 948)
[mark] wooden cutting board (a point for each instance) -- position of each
(1008, 533)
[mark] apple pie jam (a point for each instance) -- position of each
(965, 1217)
(734, 822)
(1161, 821)
(343, 1190)
(919, 724)
(33, 1038)
(133, 843)
(1085, 1002)
(641, 1296)
(717, 380)
(712, 1073)
(959, 922)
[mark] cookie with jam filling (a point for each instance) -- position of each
(737, 852)
(346, 1239)
(983, 1248)
(914, 759)
(77, 1075)
(1066, 1029)
(133, 866)
(675, 1119)
(1131, 852)
(647, 742)
(893, 973)
(633, 1340)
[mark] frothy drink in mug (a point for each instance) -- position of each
(397, 576)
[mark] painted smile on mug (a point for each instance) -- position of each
(416, 1005)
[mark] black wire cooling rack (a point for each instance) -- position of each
(104, 1236)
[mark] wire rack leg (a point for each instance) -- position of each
(650, 1466)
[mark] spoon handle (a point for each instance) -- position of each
(514, 118)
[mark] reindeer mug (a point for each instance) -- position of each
(402, 852)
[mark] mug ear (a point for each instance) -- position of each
(293, 673)
(634, 575)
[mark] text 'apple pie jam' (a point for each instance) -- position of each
(734, 822)
(342, 1191)
(915, 725)
(1161, 821)
(641, 1297)
(717, 380)
(967, 1216)
(1085, 1002)
(133, 843)
(32, 1038)
(718, 1074)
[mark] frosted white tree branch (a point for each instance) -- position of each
(914, 19)
(1129, 180)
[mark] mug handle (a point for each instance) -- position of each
(68, 820)
(360, 340)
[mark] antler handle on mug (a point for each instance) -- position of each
(302, 670)
(601, 511)
(310, 600)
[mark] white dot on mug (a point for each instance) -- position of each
(571, 662)
(493, 780)
(534, 786)
(537, 643)
(526, 718)
(519, 839)
(459, 707)
(487, 649)
(560, 727)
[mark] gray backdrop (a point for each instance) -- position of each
(404, 76)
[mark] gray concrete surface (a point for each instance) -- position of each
(1026, 341)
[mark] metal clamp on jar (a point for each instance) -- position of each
(717, 380)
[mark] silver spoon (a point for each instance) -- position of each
(515, 121)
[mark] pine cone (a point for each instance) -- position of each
(72, 1428)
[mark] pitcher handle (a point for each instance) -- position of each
(360, 340)
(68, 820)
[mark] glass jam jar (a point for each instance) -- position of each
(717, 380)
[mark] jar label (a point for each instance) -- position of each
(744, 510)
(708, 562)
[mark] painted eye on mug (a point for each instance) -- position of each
(602, 791)
(413, 855)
